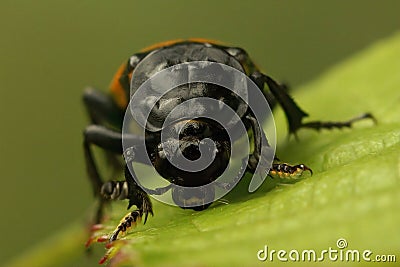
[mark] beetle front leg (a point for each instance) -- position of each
(110, 141)
(136, 197)
(131, 190)
(261, 146)
(285, 171)
(280, 170)
(254, 158)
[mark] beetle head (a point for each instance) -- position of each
(196, 152)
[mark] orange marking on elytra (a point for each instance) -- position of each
(117, 91)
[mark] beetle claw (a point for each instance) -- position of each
(130, 220)
(283, 170)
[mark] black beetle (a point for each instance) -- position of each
(107, 114)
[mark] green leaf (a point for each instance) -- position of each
(354, 193)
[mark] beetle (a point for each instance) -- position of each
(106, 112)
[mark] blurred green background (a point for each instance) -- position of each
(51, 50)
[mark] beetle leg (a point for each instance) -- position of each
(131, 154)
(136, 197)
(252, 162)
(295, 115)
(111, 141)
(293, 112)
(260, 152)
(103, 110)
(119, 190)
(281, 170)
(250, 68)
(160, 190)
(318, 125)
(284, 171)
(104, 138)
(260, 157)
(128, 221)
